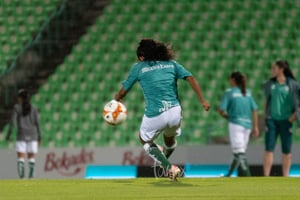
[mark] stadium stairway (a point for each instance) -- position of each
(50, 45)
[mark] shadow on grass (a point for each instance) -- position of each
(167, 183)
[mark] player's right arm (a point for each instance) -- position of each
(222, 109)
(128, 83)
(121, 94)
(255, 129)
(182, 73)
(194, 83)
(223, 113)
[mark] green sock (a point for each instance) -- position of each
(31, 169)
(21, 168)
(244, 165)
(156, 154)
(235, 163)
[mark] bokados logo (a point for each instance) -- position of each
(66, 164)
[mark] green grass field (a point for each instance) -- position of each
(151, 188)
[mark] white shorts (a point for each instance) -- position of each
(27, 147)
(239, 137)
(167, 123)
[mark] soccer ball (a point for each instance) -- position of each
(114, 112)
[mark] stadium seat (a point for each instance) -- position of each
(18, 20)
(211, 38)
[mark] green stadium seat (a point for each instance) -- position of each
(18, 20)
(212, 38)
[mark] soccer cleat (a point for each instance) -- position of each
(173, 173)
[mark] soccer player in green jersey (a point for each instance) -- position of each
(281, 109)
(240, 109)
(157, 73)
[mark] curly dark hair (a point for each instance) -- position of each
(154, 50)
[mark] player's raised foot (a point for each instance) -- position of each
(173, 173)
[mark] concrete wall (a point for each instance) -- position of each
(61, 163)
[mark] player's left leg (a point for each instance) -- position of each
(31, 164)
(239, 160)
(154, 152)
(170, 145)
(32, 149)
(245, 170)
(286, 143)
(149, 131)
(172, 130)
(239, 137)
(286, 164)
(21, 153)
(21, 164)
(234, 164)
(244, 166)
(271, 135)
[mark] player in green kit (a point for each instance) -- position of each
(282, 108)
(157, 74)
(240, 109)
